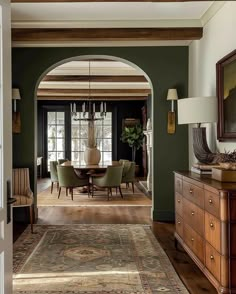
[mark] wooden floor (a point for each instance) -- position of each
(192, 277)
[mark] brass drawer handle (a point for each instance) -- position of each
(211, 257)
(211, 225)
(210, 201)
(192, 212)
(178, 201)
(179, 222)
(191, 191)
(192, 239)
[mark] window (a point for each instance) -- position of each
(79, 138)
(56, 136)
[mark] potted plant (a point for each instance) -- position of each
(134, 137)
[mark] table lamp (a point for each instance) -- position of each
(199, 110)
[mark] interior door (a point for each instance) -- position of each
(5, 148)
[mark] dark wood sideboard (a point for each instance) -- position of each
(205, 212)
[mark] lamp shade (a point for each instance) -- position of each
(197, 110)
(16, 94)
(172, 94)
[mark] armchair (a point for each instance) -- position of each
(69, 180)
(111, 179)
(22, 192)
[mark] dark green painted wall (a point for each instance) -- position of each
(167, 67)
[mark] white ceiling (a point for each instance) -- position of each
(108, 11)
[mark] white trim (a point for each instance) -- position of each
(213, 9)
(169, 23)
(102, 43)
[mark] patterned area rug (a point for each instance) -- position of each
(45, 198)
(92, 259)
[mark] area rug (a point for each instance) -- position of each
(45, 198)
(92, 259)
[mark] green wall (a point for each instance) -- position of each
(167, 67)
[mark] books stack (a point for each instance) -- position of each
(203, 169)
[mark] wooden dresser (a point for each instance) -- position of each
(205, 211)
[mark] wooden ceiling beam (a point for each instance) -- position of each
(61, 92)
(104, 34)
(94, 79)
(92, 98)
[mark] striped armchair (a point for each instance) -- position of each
(22, 192)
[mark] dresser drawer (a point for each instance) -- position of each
(212, 231)
(178, 203)
(193, 216)
(179, 225)
(212, 261)
(195, 242)
(178, 184)
(194, 193)
(212, 203)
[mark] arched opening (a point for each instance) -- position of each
(47, 90)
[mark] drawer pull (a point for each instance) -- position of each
(211, 257)
(191, 191)
(210, 201)
(192, 212)
(178, 201)
(179, 222)
(211, 225)
(192, 239)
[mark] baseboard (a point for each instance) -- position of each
(163, 215)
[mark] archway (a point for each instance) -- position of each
(161, 64)
(97, 58)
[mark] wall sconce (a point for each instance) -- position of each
(172, 96)
(16, 122)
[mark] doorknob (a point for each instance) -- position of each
(10, 201)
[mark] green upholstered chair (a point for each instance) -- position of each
(111, 179)
(60, 161)
(68, 179)
(53, 174)
(22, 192)
(128, 175)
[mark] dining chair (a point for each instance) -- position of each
(22, 192)
(62, 160)
(111, 179)
(53, 174)
(128, 175)
(68, 179)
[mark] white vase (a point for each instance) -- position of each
(92, 156)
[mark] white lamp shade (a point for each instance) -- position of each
(197, 110)
(16, 94)
(172, 94)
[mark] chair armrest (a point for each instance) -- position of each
(29, 193)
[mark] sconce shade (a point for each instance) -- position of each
(16, 94)
(172, 94)
(197, 110)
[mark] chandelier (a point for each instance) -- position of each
(88, 108)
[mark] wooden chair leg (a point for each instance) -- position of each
(108, 192)
(120, 192)
(88, 190)
(111, 191)
(51, 187)
(31, 218)
(66, 191)
(72, 194)
(59, 193)
(133, 187)
(57, 186)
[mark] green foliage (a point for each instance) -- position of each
(134, 137)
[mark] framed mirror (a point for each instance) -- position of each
(226, 92)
